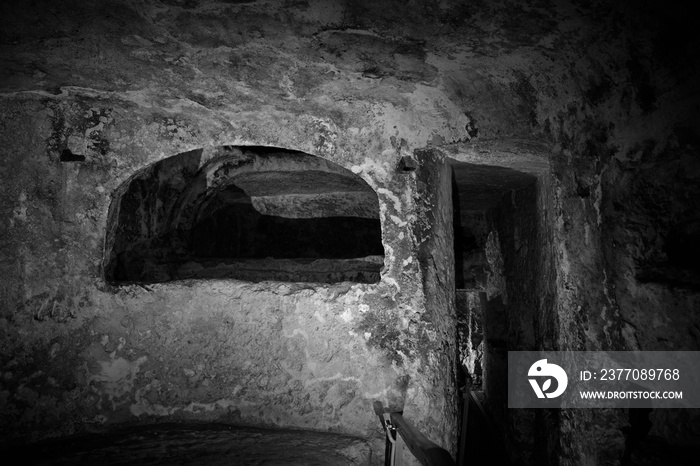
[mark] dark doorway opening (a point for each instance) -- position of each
(495, 246)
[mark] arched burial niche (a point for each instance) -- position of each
(248, 213)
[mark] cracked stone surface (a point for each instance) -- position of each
(597, 100)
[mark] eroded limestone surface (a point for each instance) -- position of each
(598, 100)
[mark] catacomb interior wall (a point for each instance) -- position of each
(93, 92)
(81, 354)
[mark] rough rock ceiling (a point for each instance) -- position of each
(328, 76)
(271, 183)
(481, 187)
(286, 184)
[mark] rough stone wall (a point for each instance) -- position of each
(470, 336)
(435, 236)
(611, 88)
(516, 221)
(546, 441)
(602, 216)
(657, 281)
(79, 354)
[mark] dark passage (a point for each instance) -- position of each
(496, 260)
(238, 230)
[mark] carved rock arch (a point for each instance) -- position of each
(244, 212)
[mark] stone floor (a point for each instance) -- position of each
(196, 445)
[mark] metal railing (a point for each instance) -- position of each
(401, 434)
